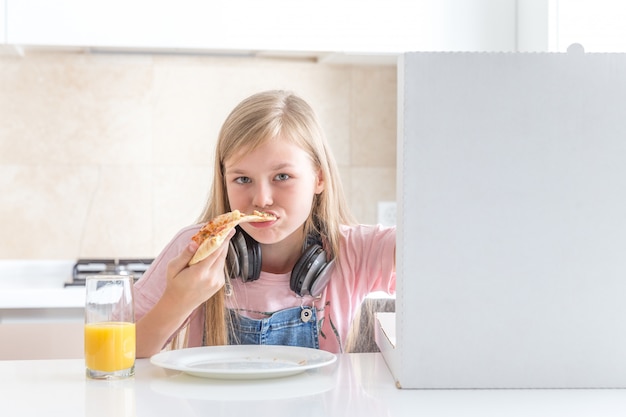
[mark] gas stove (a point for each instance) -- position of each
(87, 267)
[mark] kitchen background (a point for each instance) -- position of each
(109, 116)
(109, 154)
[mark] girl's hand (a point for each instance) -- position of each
(189, 286)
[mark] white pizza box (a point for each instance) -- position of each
(511, 222)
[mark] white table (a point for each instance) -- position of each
(356, 385)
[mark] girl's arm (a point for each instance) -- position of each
(187, 288)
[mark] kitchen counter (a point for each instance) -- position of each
(42, 305)
(36, 298)
(356, 385)
(34, 291)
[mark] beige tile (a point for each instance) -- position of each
(44, 209)
(66, 212)
(118, 218)
(179, 195)
(187, 112)
(72, 108)
(373, 119)
(368, 186)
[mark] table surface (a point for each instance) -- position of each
(356, 385)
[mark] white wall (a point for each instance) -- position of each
(2, 22)
(598, 25)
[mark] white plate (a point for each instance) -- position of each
(243, 361)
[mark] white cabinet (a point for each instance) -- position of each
(49, 340)
(373, 26)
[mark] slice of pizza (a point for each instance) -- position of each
(212, 235)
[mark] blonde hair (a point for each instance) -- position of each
(257, 119)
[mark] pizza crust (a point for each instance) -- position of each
(212, 235)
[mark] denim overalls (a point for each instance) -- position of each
(296, 326)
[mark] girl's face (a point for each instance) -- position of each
(278, 177)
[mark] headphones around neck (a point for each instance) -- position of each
(309, 276)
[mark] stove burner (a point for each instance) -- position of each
(87, 267)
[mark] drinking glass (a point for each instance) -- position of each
(109, 327)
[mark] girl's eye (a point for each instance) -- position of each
(282, 177)
(242, 180)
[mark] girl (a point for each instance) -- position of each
(297, 280)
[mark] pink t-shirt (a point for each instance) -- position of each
(366, 264)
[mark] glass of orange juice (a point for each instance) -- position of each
(109, 327)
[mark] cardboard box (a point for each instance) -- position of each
(511, 221)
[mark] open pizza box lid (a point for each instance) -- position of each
(511, 222)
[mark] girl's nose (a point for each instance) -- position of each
(262, 195)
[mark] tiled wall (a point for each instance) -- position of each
(108, 155)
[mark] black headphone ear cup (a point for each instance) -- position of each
(232, 259)
(237, 258)
(307, 271)
(244, 257)
(245, 254)
(253, 256)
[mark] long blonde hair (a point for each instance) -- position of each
(258, 118)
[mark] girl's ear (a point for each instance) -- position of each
(319, 185)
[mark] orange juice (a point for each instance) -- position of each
(109, 346)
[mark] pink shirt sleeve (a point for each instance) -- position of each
(367, 258)
(366, 264)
